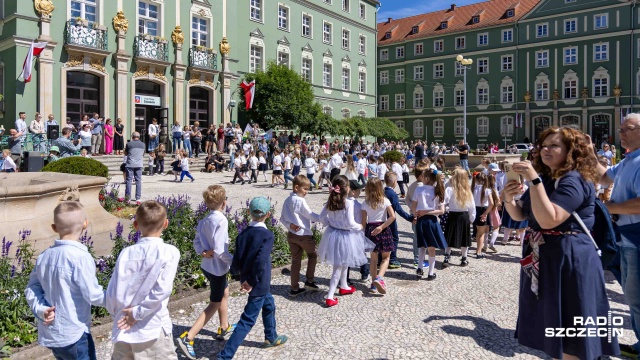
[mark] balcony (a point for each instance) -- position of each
(152, 48)
(79, 33)
(201, 57)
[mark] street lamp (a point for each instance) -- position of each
(466, 64)
(232, 104)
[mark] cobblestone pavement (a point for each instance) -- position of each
(467, 313)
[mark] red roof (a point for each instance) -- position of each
(492, 13)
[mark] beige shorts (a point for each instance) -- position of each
(161, 348)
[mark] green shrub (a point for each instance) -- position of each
(79, 166)
(392, 156)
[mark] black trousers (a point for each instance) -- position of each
(334, 172)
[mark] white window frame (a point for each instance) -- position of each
(346, 79)
(415, 49)
(256, 9)
(542, 58)
(459, 129)
(542, 90)
(483, 36)
(384, 103)
(483, 63)
(506, 94)
(569, 22)
(327, 76)
(283, 55)
(438, 71)
(601, 50)
(461, 42)
(255, 59)
(399, 76)
(506, 122)
(346, 41)
(346, 5)
(506, 65)
(604, 16)
(362, 44)
(327, 110)
(459, 97)
(307, 30)
(542, 30)
(399, 124)
(384, 54)
(146, 19)
(572, 55)
(459, 69)
(600, 83)
(307, 71)
(418, 99)
(438, 97)
(438, 46)
(418, 128)
(362, 11)
(400, 52)
(400, 102)
(83, 9)
(505, 38)
(482, 126)
(362, 82)
(482, 94)
(286, 18)
(326, 33)
(418, 72)
(438, 127)
(384, 77)
(199, 31)
(573, 84)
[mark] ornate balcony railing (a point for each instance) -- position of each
(87, 34)
(203, 58)
(150, 47)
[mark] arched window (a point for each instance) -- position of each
(346, 113)
(571, 121)
(418, 128)
(327, 110)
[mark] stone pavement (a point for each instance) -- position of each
(466, 313)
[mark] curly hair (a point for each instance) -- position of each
(580, 155)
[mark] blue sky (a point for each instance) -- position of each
(404, 8)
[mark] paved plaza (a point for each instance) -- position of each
(467, 313)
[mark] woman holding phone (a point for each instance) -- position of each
(561, 278)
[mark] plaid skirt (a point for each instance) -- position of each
(383, 241)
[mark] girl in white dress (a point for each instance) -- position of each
(462, 212)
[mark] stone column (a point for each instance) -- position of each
(45, 67)
(556, 97)
(180, 71)
(225, 77)
(585, 119)
(122, 83)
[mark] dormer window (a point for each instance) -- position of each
(475, 19)
(511, 13)
(414, 30)
(387, 35)
(444, 25)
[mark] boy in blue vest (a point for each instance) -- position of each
(252, 260)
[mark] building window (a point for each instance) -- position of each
(326, 33)
(601, 52)
(283, 17)
(418, 100)
(255, 9)
(483, 95)
(283, 58)
(345, 39)
(327, 110)
(600, 87)
(542, 90)
(85, 9)
(460, 42)
(384, 102)
(483, 66)
(438, 97)
(475, 19)
(327, 2)
(346, 79)
(399, 101)
(511, 13)
(326, 75)
(542, 58)
(542, 30)
(459, 127)
(459, 69)
(362, 113)
(400, 124)
(418, 72)
(459, 97)
(507, 62)
(506, 126)
(306, 69)
(363, 11)
(483, 39)
(384, 54)
(438, 127)
(384, 77)
(507, 94)
(387, 35)
(399, 76)
(362, 45)
(345, 5)
(306, 25)
(255, 59)
(570, 26)
(601, 21)
(148, 18)
(570, 55)
(572, 121)
(482, 126)
(418, 49)
(362, 82)
(444, 25)
(438, 46)
(507, 35)
(400, 52)
(346, 113)
(418, 128)
(570, 89)
(438, 71)
(199, 32)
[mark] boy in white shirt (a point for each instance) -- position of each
(361, 167)
(8, 164)
(276, 175)
(139, 290)
(287, 169)
(397, 169)
(382, 168)
(325, 173)
(420, 167)
(253, 166)
(311, 166)
(297, 217)
(237, 162)
(212, 243)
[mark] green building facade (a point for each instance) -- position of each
(535, 64)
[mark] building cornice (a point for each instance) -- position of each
(443, 36)
(15, 41)
(336, 15)
(563, 15)
(16, 16)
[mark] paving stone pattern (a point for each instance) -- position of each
(466, 313)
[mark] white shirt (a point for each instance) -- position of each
(450, 199)
(151, 161)
(253, 163)
(262, 160)
(133, 265)
(184, 164)
(397, 168)
(361, 166)
(376, 215)
(237, 162)
(296, 211)
(501, 178)
(287, 162)
(477, 192)
(352, 175)
(8, 163)
(310, 165)
(411, 189)
(357, 210)
(212, 233)
(336, 162)
(382, 169)
(405, 168)
(153, 130)
(277, 163)
(425, 195)
(324, 165)
(296, 161)
(341, 219)
(247, 148)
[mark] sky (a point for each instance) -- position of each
(404, 8)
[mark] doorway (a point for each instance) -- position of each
(600, 125)
(83, 95)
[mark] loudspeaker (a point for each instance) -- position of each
(33, 161)
(53, 132)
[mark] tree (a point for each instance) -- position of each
(283, 98)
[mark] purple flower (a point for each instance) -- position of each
(228, 209)
(274, 221)
(13, 270)
(134, 236)
(101, 265)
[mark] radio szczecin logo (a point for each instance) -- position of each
(601, 326)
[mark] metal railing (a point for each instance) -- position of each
(203, 58)
(87, 34)
(150, 47)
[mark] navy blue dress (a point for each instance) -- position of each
(571, 279)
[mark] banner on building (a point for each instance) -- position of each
(34, 51)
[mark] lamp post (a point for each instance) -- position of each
(232, 104)
(466, 64)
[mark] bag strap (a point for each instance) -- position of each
(582, 225)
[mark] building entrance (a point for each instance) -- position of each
(148, 102)
(83, 95)
(600, 132)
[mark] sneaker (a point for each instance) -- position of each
(220, 334)
(394, 265)
(445, 263)
(186, 346)
(425, 264)
(420, 273)
(481, 256)
(415, 264)
(380, 285)
(464, 262)
(192, 180)
(373, 289)
(331, 302)
(280, 340)
(311, 286)
(492, 248)
(294, 293)
(365, 278)
(628, 351)
(431, 277)
(286, 186)
(348, 291)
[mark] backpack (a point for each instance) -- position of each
(603, 235)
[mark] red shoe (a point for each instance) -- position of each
(349, 291)
(331, 302)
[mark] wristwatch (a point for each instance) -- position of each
(536, 181)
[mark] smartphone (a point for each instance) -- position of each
(511, 175)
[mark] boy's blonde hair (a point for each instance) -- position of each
(150, 217)
(301, 181)
(421, 166)
(214, 196)
(6, 152)
(390, 178)
(69, 217)
(374, 193)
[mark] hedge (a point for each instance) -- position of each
(78, 165)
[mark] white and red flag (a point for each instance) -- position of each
(249, 92)
(34, 50)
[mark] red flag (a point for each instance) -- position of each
(34, 50)
(249, 93)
